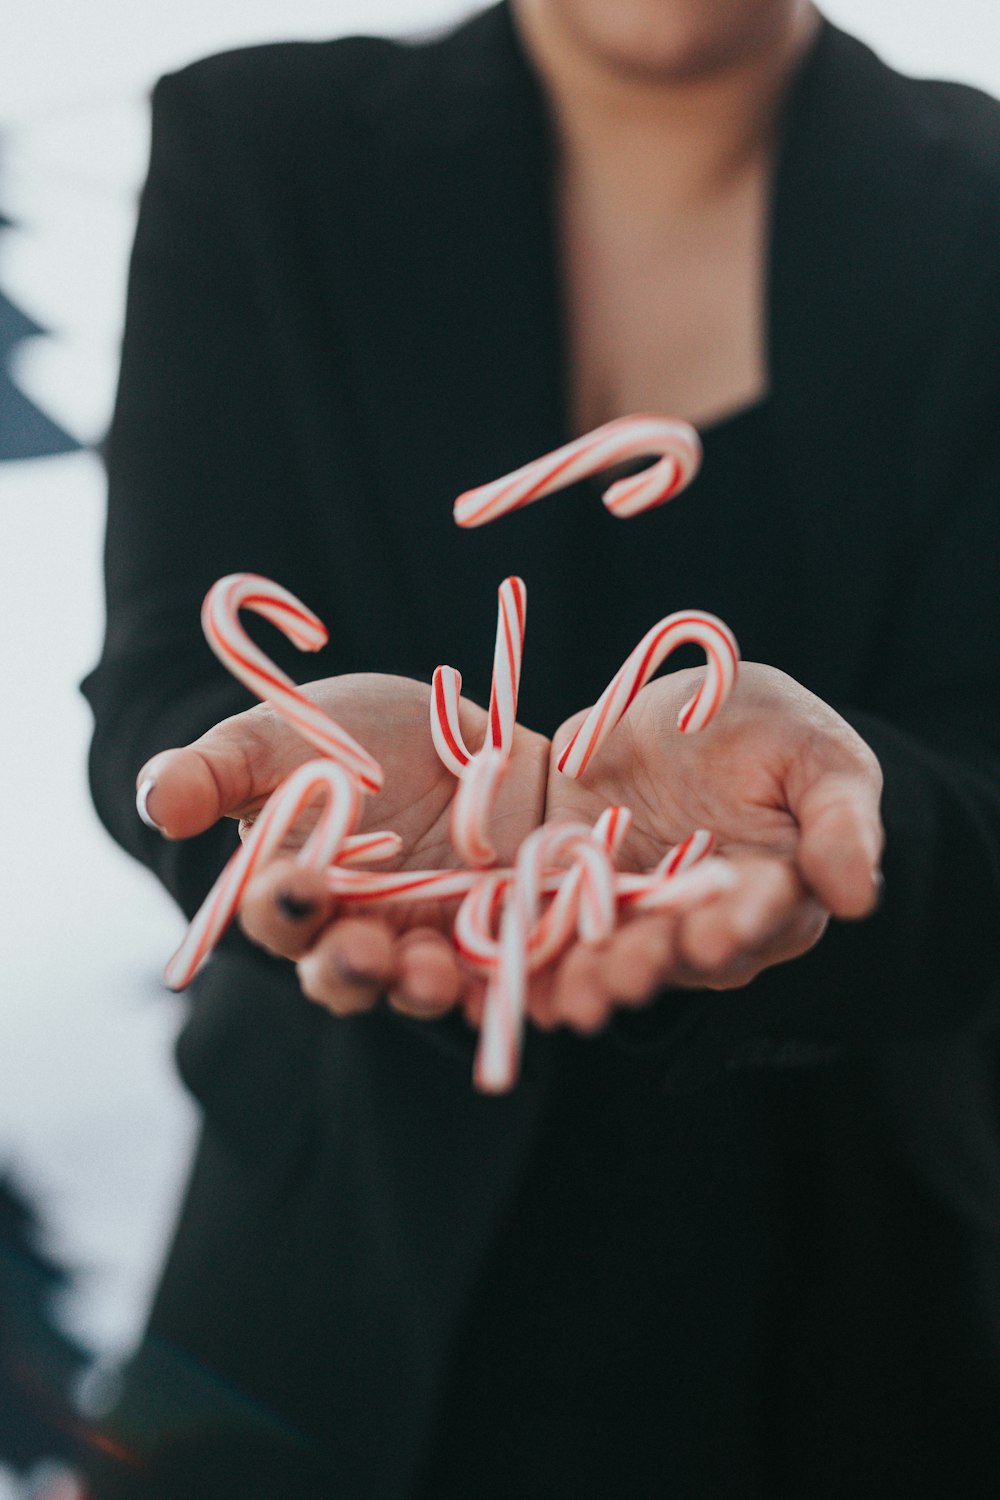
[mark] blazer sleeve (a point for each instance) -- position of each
(928, 703)
(202, 474)
(928, 961)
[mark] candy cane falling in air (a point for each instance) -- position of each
(690, 625)
(480, 774)
(220, 618)
(676, 442)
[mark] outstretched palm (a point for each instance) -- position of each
(729, 778)
(791, 794)
(787, 787)
(346, 961)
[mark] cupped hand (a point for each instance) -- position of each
(345, 961)
(788, 788)
(791, 793)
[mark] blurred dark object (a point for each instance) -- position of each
(38, 1363)
(25, 431)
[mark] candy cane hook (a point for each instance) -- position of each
(676, 442)
(480, 774)
(245, 660)
(690, 625)
(339, 814)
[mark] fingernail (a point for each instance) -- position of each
(878, 881)
(142, 804)
(294, 907)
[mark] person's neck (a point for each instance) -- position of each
(648, 134)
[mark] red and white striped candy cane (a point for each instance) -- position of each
(586, 895)
(475, 799)
(677, 892)
(664, 889)
(338, 816)
(616, 442)
(525, 942)
(508, 650)
(412, 887)
(611, 828)
(689, 625)
(220, 618)
(369, 848)
(476, 918)
(481, 774)
(688, 853)
(409, 886)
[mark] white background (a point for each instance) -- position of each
(91, 1119)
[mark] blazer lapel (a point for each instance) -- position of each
(455, 314)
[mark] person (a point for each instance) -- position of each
(735, 1232)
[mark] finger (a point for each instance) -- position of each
(429, 979)
(349, 966)
(580, 998)
(285, 908)
(720, 934)
(541, 1005)
(638, 959)
(841, 840)
(233, 767)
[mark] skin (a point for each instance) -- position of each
(658, 43)
(790, 789)
(345, 961)
(667, 115)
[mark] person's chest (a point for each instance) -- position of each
(665, 311)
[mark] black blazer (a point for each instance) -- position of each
(343, 310)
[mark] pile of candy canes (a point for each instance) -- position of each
(563, 885)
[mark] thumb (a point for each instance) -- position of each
(228, 772)
(840, 844)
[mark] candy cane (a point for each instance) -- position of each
(339, 814)
(678, 892)
(476, 918)
(525, 944)
(408, 886)
(585, 896)
(508, 650)
(499, 1050)
(584, 902)
(412, 887)
(475, 799)
(611, 828)
(480, 774)
(616, 442)
(237, 652)
(688, 853)
(369, 848)
(656, 645)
